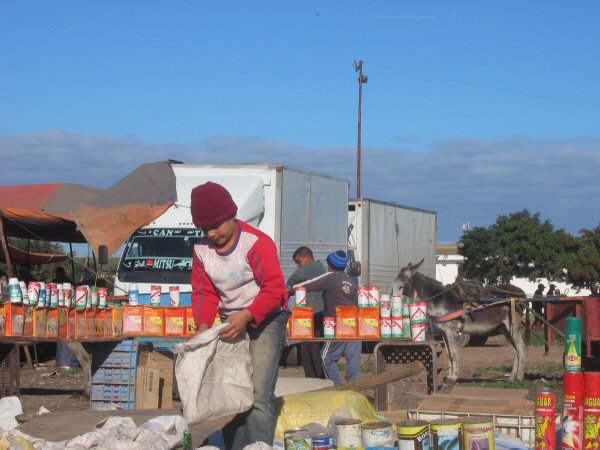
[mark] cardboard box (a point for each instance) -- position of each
(113, 325)
(346, 322)
(464, 399)
(147, 389)
(368, 323)
(28, 320)
(40, 314)
(12, 319)
(190, 323)
(154, 320)
(163, 360)
(133, 320)
(52, 322)
(99, 322)
(63, 322)
(175, 321)
(77, 325)
(302, 323)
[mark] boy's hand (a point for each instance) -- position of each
(236, 325)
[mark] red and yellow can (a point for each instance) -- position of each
(591, 411)
(545, 420)
(572, 425)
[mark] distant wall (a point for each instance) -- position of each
(447, 268)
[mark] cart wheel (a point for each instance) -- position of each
(478, 341)
(462, 339)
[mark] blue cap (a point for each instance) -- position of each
(338, 260)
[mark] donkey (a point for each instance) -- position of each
(446, 307)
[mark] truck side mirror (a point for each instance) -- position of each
(102, 254)
(354, 269)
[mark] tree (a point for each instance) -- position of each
(582, 259)
(518, 244)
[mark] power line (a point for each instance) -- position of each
(485, 86)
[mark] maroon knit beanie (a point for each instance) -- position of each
(211, 205)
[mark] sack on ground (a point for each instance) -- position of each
(213, 376)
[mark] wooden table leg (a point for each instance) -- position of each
(85, 359)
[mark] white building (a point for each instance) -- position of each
(448, 260)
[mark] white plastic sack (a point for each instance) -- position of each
(10, 407)
(213, 376)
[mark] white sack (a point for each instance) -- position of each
(213, 376)
(10, 407)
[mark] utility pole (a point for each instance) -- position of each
(361, 79)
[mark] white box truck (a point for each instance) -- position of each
(384, 237)
(292, 206)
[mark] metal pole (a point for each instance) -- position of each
(361, 79)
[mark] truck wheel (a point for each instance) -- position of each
(462, 339)
(478, 341)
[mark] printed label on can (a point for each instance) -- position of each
(397, 327)
(329, 327)
(446, 434)
(397, 306)
(373, 294)
(174, 297)
(300, 296)
(545, 420)
(155, 294)
(385, 306)
(413, 435)
(591, 419)
(478, 433)
(386, 327)
(363, 297)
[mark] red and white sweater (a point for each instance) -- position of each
(248, 276)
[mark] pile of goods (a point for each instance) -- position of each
(57, 311)
(581, 402)
(375, 317)
(450, 434)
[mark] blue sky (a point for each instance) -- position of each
(472, 109)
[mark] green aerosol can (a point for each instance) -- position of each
(573, 344)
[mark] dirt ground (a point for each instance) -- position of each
(59, 389)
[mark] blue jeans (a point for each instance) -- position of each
(266, 343)
(331, 354)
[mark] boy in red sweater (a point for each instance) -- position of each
(236, 270)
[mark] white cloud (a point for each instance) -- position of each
(462, 179)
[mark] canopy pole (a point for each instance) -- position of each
(9, 266)
(72, 263)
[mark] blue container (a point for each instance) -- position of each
(65, 358)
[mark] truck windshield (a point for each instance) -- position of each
(159, 255)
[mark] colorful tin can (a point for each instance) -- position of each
(80, 297)
(322, 441)
(385, 306)
(478, 433)
(363, 297)
(591, 410)
(377, 434)
(446, 434)
(386, 327)
(572, 417)
(297, 439)
(573, 344)
(301, 297)
(329, 327)
(545, 420)
(373, 296)
(94, 296)
(134, 294)
(397, 327)
(396, 306)
(174, 296)
(413, 435)
(347, 433)
(102, 297)
(155, 294)
(68, 290)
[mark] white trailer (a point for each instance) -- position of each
(292, 206)
(384, 237)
